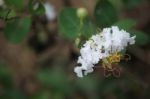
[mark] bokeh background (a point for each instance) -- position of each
(38, 53)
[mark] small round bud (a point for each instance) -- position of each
(81, 12)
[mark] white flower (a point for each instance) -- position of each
(78, 70)
(100, 46)
(49, 11)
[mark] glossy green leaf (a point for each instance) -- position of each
(141, 37)
(126, 24)
(105, 13)
(69, 25)
(16, 30)
(17, 4)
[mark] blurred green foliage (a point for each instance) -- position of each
(126, 24)
(36, 8)
(131, 3)
(15, 4)
(54, 79)
(7, 14)
(8, 91)
(16, 30)
(105, 13)
(141, 37)
(69, 25)
(57, 83)
(5, 76)
(41, 95)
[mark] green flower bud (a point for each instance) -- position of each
(82, 12)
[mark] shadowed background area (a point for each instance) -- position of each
(38, 52)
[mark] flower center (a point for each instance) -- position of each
(113, 58)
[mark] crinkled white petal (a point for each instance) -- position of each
(78, 71)
(101, 45)
(88, 71)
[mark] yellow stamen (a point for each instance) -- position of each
(113, 58)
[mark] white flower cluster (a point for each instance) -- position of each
(100, 46)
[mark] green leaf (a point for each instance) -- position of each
(116, 3)
(58, 95)
(82, 84)
(141, 37)
(88, 28)
(17, 4)
(5, 76)
(55, 79)
(105, 13)
(3, 71)
(69, 25)
(3, 13)
(126, 24)
(41, 95)
(36, 8)
(16, 30)
(7, 14)
(11, 14)
(13, 94)
(131, 3)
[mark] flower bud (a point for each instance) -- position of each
(82, 12)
